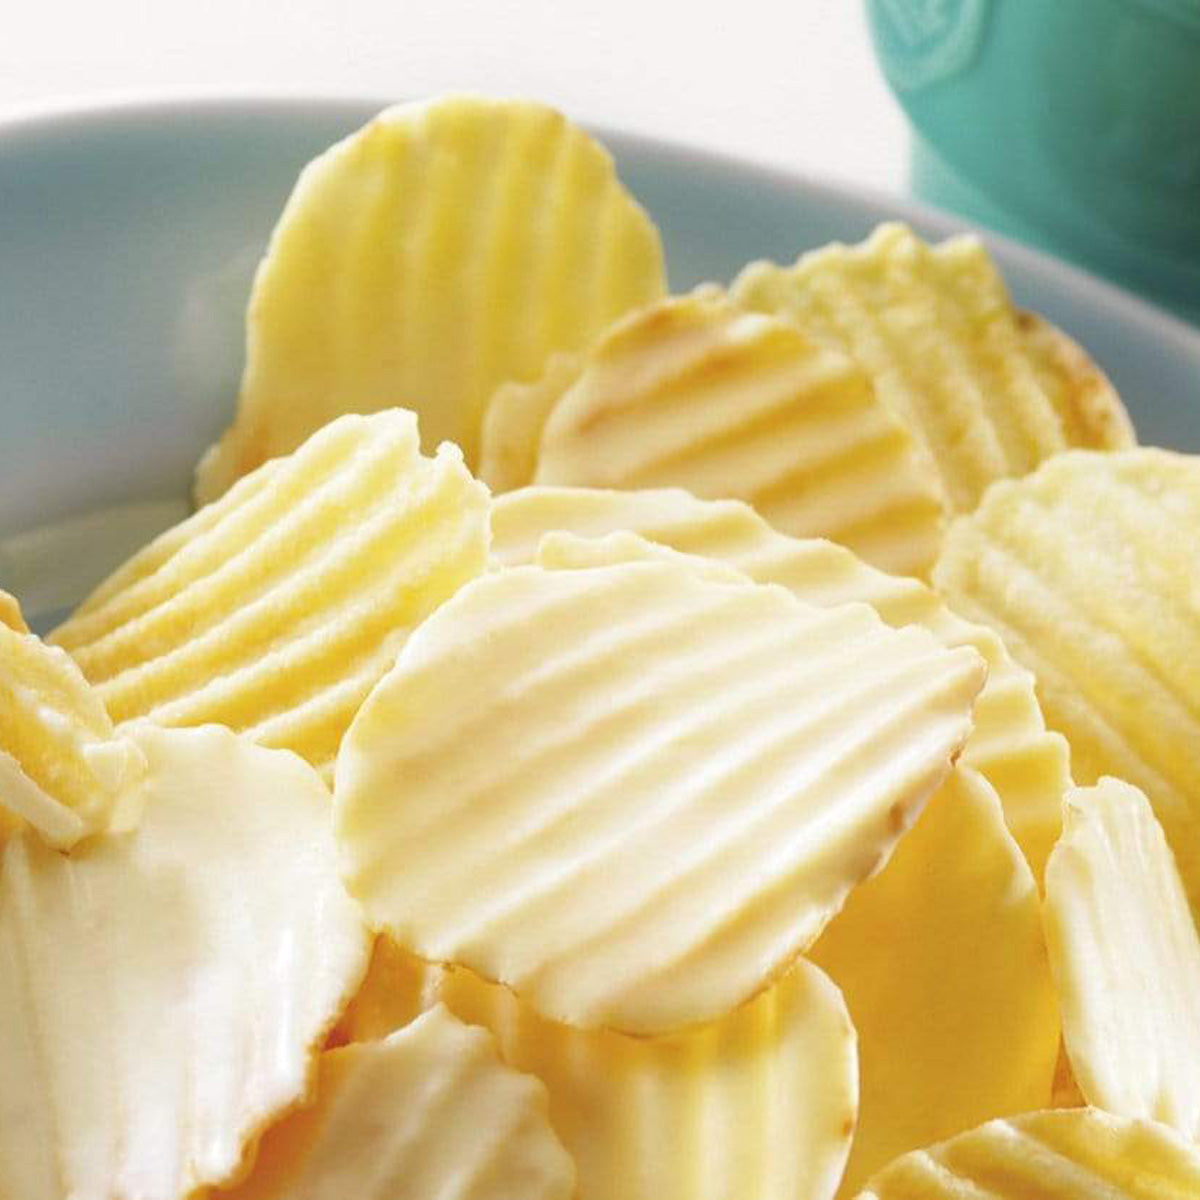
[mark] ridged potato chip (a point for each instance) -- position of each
(1126, 958)
(943, 964)
(989, 392)
(517, 413)
(429, 1113)
(941, 953)
(276, 610)
(1010, 746)
(762, 1102)
(443, 249)
(697, 393)
(63, 768)
(165, 991)
(660, 787)
(1087, 569)
(1069, 1154)
(514, 420)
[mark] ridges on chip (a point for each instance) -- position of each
(767, 1094)
(1086, 569)
(570, 741)
(988, 392)
(1066, 1154)
(275, 610)
(1010, 745)
(470, 239)
(696, 393)
(427, 1113)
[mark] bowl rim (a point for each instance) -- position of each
(114, 110)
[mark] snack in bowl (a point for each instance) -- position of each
(166, 990)
(383, 1119)
(449, 246)
(661, 787)
(769, 1092)
(695, 392)
(730, 841)
(275, 610)
(989, 391)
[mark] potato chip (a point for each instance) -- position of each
(10, 613)
(514, 420)
(165, 991)
(1010, 746)
(694, 392)
(276, 610)
(572, 743)
(63, 769)
(443, 249)
(1126, 958)
(517, 414)
(760, 1103)
(1087, 569)
(1070, 1154)
(988, 392)
(429, 1113)
(943, 964)
(764, 1098)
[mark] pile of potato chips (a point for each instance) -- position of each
(755, 758)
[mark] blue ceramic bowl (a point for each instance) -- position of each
(1073, 124)
(128, 237)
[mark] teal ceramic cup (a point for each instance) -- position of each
(1074, 124)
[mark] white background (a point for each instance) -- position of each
(791, 83)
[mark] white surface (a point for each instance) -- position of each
(792, 83)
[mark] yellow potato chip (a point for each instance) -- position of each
(659, 787)
(1087, 569)
(941, 953)
(165, 991)
(943, 964)
(764, 1098)
(10, 613)
(694, 392)
(276, 610)
(1010, 745)
(1070, 1154)
(63, 769)
(517, 413)
(445, 248)
(429, 1113)
(988, 392)
(1126, 958)
(514, 420)
(761, 1102)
